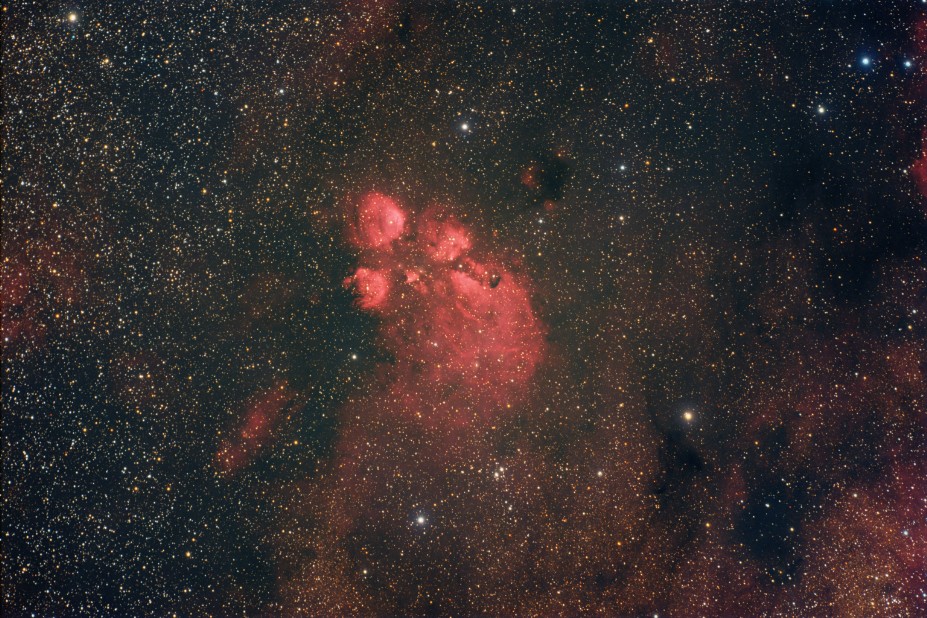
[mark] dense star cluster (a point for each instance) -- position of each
(493, 308)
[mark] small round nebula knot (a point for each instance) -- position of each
(378, 221)
(371, 286)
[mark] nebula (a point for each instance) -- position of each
(457, 321)
(464, 343)
(372, 287)
(260, 419)
(919, 168)
(378, 221)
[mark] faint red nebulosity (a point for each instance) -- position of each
(919, 91)
(919, 168)
(920, 35)
(40, 285)
(19, 314)
(529, 176)
(261, 418)
(908, 487)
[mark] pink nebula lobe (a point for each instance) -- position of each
(379, 221)
(919, 169)
(260, 420)
(371, 286)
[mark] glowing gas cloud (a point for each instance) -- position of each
(459, 324)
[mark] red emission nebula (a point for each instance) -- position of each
(463, 338)
(260, 420)
(459, 325)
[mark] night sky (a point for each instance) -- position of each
(486, 309)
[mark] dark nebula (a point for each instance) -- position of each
(547, 177)
(468, 309)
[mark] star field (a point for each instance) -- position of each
(467, 309)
